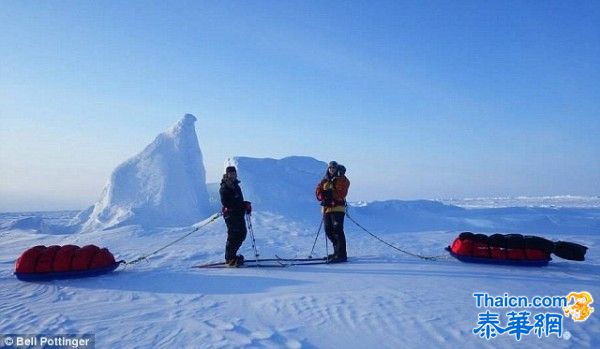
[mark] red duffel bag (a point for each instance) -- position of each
(69, 261)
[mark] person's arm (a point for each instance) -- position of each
(319, 192)
(342, 184)
(225, 200)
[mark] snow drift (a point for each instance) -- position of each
(35, 223)
(424, 215)
(284, 186)
(164, 185)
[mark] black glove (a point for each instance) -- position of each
(328, 203)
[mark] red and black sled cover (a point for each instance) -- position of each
(512, 249)
(61, 262)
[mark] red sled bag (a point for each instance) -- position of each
(82, 258)
(515, 247)
(102, 258)
(63, 258)
(41, 263)
(537, 247)
(469, 244)
(481, 248)
(46, 260)
(463, 244)
(28, 260)
(497, 244)
(510, 249)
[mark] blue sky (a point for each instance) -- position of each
(419, 99)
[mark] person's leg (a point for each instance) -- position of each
(330, 231)
(338, 232)
(236, 234)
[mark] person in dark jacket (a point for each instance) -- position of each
(331, 192)
(234, 208)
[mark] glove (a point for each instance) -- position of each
(248, 206)
(326, 198)
(328, 203)
(224, 210)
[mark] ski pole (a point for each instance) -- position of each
(249, 220)
(316, 237)
(326, 245)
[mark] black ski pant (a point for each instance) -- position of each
(236, 234)
(334, 228)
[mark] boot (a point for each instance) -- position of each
(235, 262)
(240, 259)
(336, 258)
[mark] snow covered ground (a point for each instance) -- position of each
(525, 201)
(381, 298)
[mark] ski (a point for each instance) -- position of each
(303, 261)
(313, 262)
(256, 263)
(307, 261)
(208, 265)
(320, 259)
(251, 263)
(281, 264)
(277, 259)
(262, 260)
(225, 266)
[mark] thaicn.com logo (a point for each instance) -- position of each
(508, 315)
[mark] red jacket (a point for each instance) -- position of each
(332, 193)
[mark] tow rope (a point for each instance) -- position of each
(428, 258)
(145, 257)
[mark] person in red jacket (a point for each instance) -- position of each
(332, 192)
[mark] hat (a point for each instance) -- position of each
(333, 164)
(230, 169)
